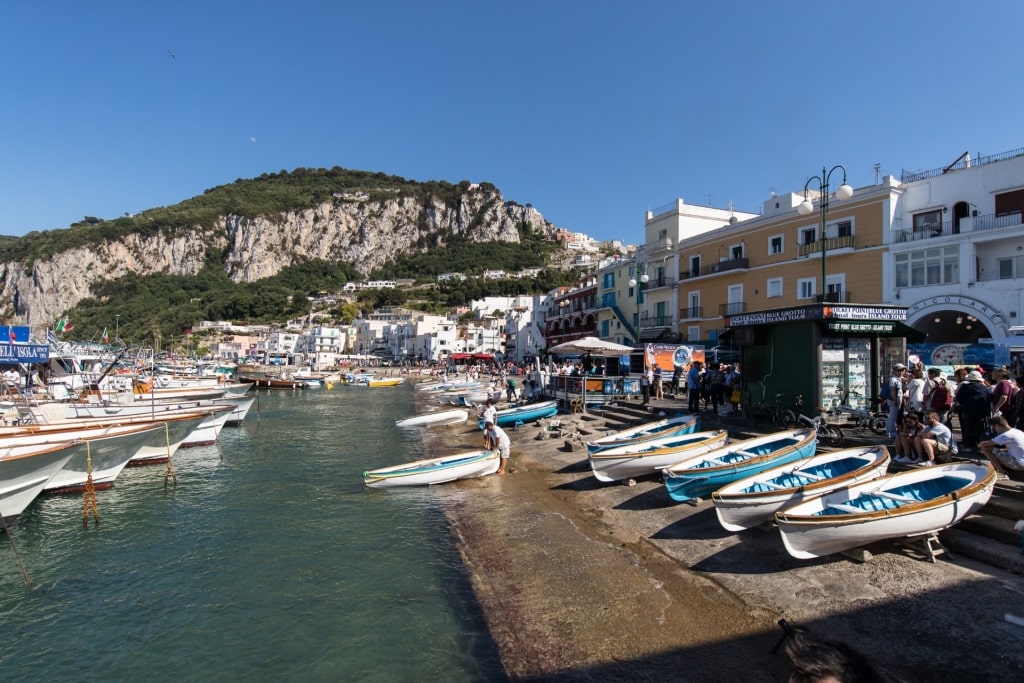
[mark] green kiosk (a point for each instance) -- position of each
(825, 353)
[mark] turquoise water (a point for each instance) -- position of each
(269, 560)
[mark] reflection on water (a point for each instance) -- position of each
(268, 559)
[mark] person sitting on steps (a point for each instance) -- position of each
(1005, 450)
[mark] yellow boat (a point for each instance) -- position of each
(384, 381)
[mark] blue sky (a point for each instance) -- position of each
(591, 111)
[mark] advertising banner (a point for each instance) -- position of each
(667, 356)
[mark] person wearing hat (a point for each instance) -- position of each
(895, 399)
(495, 437)
(972, 400)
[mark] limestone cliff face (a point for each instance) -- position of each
(366, 234)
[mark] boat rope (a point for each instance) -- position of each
(24, 572)
(169, 472)
(89, 497)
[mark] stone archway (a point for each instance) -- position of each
(955, 319)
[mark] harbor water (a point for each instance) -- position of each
(267, 560)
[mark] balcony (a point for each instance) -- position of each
(733, 308)
(660, 281)
(834, 298)
(957, 226)
(832, 243)
(723, 266)
(691, 313)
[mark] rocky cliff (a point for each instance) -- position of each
(361, 232)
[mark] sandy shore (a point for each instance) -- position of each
(584, 581)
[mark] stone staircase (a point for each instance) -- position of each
(987, 536)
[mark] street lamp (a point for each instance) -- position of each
(805, 207)
(644, 279)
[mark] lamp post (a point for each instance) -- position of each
(844, 191)
(644, 278)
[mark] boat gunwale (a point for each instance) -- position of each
(970, 490)
(693, 472)
(837, 482)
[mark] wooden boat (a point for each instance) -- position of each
(527, 412)
(671, 426)
(384, 381)
(468, 465)
(647, 457)
(749, 502)
(436, 419)
(917, 502)
(25, 470)
(700, 475)
(273, 382)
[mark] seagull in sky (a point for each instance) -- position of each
(170, 54)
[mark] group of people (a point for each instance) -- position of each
(923, 403)
(716, 385)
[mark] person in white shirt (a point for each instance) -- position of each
(1005, 450)
(489, 413)
(934, 439)
(495, 437)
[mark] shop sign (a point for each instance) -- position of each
(24, 353)
(861, 328)
(865, 313)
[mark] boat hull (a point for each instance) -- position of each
(105, 458)
(751, 501)
(468, 465)
(700, 475)
(526, 413)
(913, 503)
(25, 471)
(639, 459)
(673, 426)
(438, 419)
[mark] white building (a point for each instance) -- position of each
(321, 346)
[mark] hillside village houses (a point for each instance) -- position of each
(945, 244)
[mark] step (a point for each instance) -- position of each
(1007, 505)
(993, 527)
(1000, 555)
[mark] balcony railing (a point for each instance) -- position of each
(661, 281)
(990, 221)
(722, 266)
(650, 321)
(733, 308)
(831, 243)
(691, 313)
(834, 298)
(684, 275)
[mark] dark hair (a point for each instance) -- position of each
(814, 660)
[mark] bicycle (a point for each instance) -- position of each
(859, 418)
(830, 434)
(777, 413)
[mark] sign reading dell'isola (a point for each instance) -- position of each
(14, 346)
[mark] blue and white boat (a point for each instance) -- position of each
(670, 426)
(700, 475)
(527, 412)
(468, 465)
(753, 500)
(647, 457)
(914, 503)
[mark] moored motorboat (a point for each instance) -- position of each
(527, 412)
(436, 419)
(25, 470)
(906, 504)
(384, 381)
(467, 465)
(701, 474)
(680, 424)
(273, 382)
(647, 457)
(748, 502)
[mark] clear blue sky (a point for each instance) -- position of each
(592, 111)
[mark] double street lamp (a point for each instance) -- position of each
(805, 207)
(644, 278)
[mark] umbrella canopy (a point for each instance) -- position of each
(591, 345)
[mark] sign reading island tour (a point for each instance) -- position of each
(817, 312)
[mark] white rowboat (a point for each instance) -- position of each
(468, 465)
(748, 502)
(913, 503)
